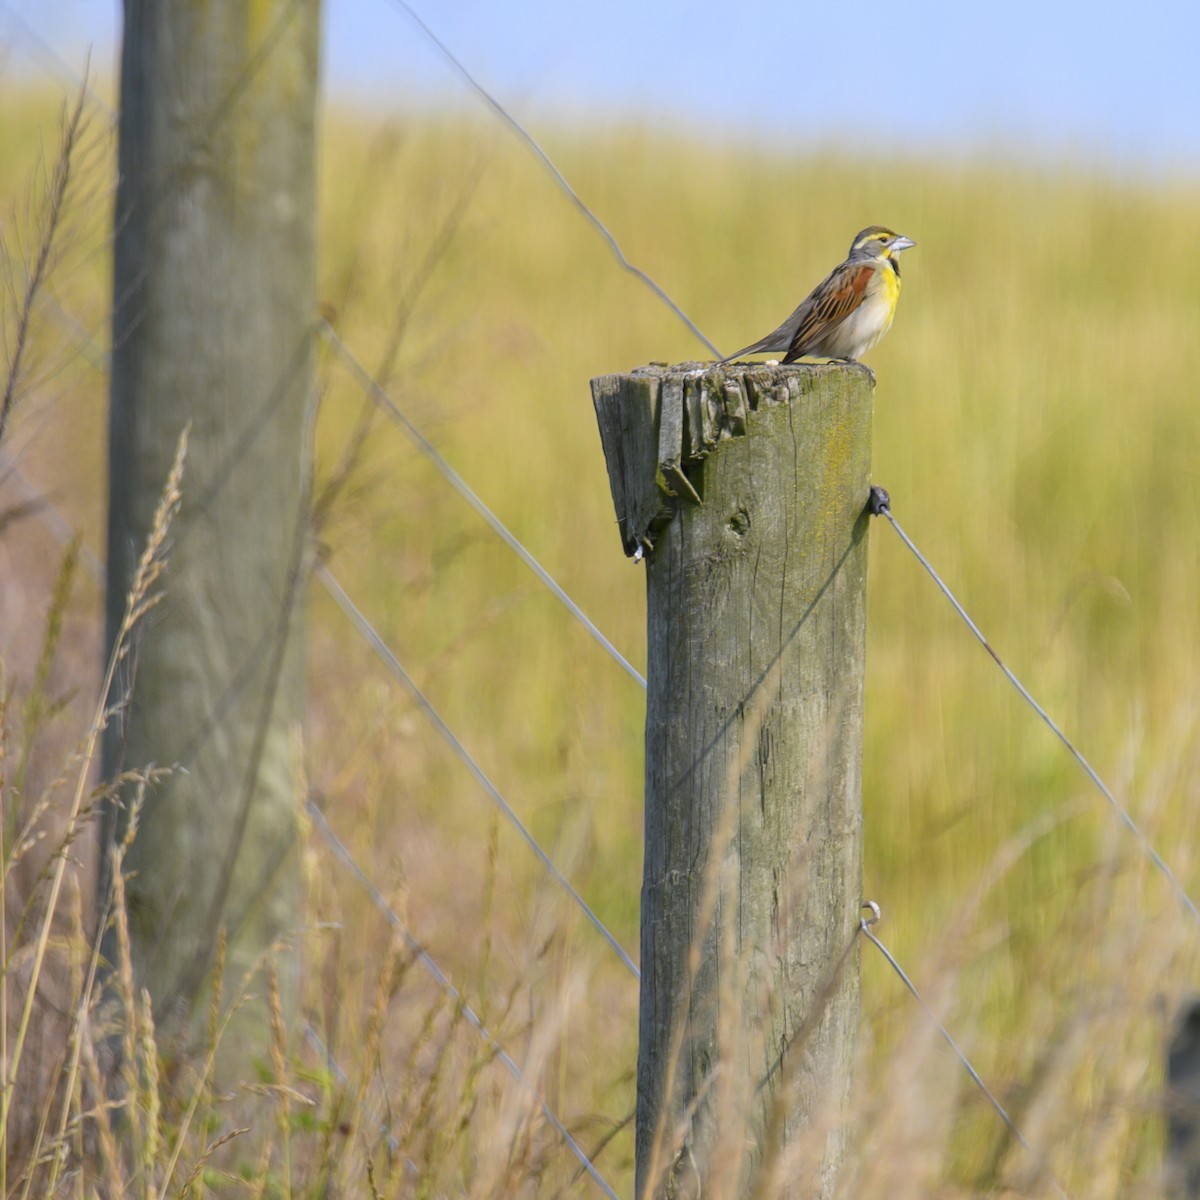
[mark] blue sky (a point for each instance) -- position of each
(1049, 78)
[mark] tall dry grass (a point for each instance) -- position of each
(1035, 425)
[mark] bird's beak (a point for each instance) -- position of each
(901, 243)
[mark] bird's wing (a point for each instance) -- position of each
(830, 303)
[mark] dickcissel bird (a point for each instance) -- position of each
(850, 310)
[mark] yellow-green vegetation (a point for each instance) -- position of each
(1036, 426)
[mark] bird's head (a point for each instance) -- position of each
(878, 242)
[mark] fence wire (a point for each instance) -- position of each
(375, 640)
(880, 505)
(456, 65)
(443, 981)
(864, 925)
(389, 406)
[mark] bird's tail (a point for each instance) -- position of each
(758, 347)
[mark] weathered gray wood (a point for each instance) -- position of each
(627, 408)
(750, 901)
(212, 319)
(670, 440)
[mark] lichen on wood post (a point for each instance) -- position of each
(744, 489)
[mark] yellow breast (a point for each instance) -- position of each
(864, 327)
(890, 281)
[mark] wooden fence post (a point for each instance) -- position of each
(744, 489)
(212, 328)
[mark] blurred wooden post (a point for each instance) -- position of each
(744, 489)
(212, 327)
(1183, 1106)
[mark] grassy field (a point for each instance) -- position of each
(1036, 427)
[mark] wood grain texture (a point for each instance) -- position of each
(751, 892)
